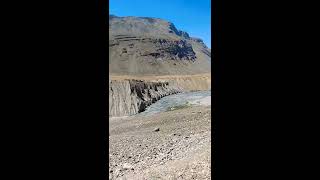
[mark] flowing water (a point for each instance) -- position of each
(177, 100)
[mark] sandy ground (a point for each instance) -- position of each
(179, 149)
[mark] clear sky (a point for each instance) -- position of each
(192, 16)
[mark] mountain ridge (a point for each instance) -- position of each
(146, 46)
(172, 26)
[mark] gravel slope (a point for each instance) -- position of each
(180, 149)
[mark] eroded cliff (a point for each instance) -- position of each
(128, 97)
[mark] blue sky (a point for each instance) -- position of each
(192, 16)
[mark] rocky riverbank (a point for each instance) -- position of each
(170, 145)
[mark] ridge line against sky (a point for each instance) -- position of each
(191, 16)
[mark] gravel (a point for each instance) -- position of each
(181, 150)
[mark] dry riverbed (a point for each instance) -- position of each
(168, 145)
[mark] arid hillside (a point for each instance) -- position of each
(151, 46)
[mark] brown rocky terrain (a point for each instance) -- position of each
(170, 145)
(152, 50)
(149, 58)
(151, 46)
(186, 82)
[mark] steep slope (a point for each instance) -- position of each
(131, 96)
(151, 46)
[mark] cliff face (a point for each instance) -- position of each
(130, 97)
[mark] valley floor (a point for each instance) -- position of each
(179, 149)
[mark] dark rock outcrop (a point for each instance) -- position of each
(171, 50)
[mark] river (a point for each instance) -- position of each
(195, 98)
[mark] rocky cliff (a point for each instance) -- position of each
(128, 97)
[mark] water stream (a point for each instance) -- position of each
(175, 100)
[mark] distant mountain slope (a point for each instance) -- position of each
(152, 46)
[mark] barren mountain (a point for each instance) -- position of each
(150, 59)
(152, 46)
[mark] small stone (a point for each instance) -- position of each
(156, 129)
(127, 166)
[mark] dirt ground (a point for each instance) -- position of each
(150, 77)
(169, 145)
